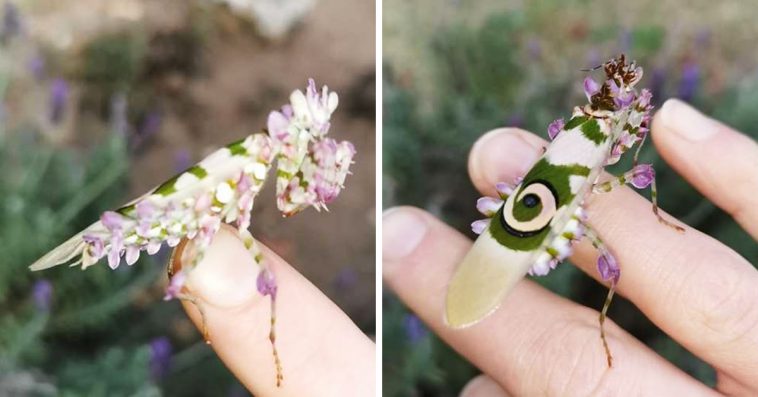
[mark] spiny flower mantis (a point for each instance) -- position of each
(311, 171)
(531, 227)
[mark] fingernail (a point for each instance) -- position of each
(226, 275)
(502, 156)
(403, 229)
(685, 121)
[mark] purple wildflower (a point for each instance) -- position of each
(160, 357)
(414, 328)
(182, 159)
(608, 268)
(703, 38)
(534, 47)
(625, 40)
(42, 293)
(59, 92)
(689, 82)
(36, 67)
(555, 127)
(642, 176)
(11, 25)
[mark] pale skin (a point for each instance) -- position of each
(323, 352)
(692, 286)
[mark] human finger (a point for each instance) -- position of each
(536, 342)
(323, 353)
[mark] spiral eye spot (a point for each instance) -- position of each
(531, 211)
(531, 200)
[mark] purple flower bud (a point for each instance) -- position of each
(703, 39)
(266, 284)
(414, 328)
(58, 98)
(555, 127)
(42, 293)
(534, 47)
(591, 87)
(643, 175)
(608, 268)
(625, 41)
(690, 80)
(182, 160)
(479, 226)
(160, 357)
(37, 67)
(11, 25)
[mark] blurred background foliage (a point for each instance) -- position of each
(100, 101)
(456, 69)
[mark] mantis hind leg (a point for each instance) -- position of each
(628, 178)
(266, 284)
(603, 249)
(177, 274)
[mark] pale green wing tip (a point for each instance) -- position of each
(485, 275)
(37, 267)
(457, 319)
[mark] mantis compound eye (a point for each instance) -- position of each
(531, 211)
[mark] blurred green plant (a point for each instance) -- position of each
(501, 72)
(99, 332)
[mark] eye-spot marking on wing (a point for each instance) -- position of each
(531, 210)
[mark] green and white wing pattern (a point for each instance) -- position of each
(530, 228)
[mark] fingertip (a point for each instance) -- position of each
(502, 155)
(227, 273)
(403, 229)
(483, 386)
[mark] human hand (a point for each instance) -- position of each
(323, 353)
(693, 287)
